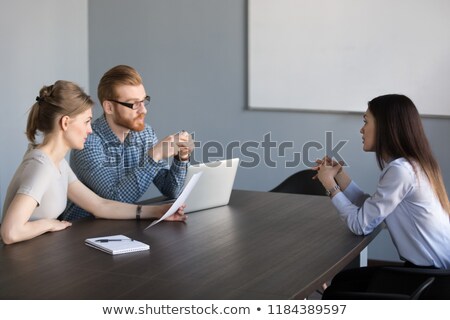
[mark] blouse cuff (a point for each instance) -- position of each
(340, 201)
(352, 189)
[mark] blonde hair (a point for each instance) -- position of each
(61, 98)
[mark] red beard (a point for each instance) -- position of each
(136, 124)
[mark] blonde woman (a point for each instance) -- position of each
(39, 189)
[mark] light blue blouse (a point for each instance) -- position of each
(419, 226)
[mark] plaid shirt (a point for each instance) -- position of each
(122, 171)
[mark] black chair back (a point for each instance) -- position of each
(301, 183)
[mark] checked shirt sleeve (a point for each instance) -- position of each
(170, 182)
(124, 171)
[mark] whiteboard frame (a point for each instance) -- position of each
(354, 54)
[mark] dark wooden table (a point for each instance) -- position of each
(261, 246)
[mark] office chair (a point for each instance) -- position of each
(392, 282)
(399, 283)
(301, 183)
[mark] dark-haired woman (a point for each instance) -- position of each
(410, 197)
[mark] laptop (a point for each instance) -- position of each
(213, 189)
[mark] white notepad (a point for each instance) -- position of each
(116, 244)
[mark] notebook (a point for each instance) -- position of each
(117, 244)
(214, 187)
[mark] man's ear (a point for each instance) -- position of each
(107, 107)
(64, 122)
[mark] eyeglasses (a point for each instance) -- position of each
(134, 105)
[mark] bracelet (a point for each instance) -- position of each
(335, 188)
(138, 212)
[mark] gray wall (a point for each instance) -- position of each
(192, 55)
(41, 42)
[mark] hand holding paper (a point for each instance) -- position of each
(178, 215)
(180, 200)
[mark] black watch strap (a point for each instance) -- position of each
(138, 212)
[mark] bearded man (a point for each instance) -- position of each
(122, 157)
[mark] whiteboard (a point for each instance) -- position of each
(336, 55)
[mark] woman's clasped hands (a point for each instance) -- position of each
(327, 169)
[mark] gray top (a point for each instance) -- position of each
(38, 177)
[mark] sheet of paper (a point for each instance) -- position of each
(180, 200)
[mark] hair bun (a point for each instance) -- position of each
(45, 92)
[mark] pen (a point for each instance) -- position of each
(109, 240)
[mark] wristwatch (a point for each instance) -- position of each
(138, 212)
(332, 190)
(179, 158)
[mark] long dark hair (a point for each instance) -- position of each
(399, 133)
